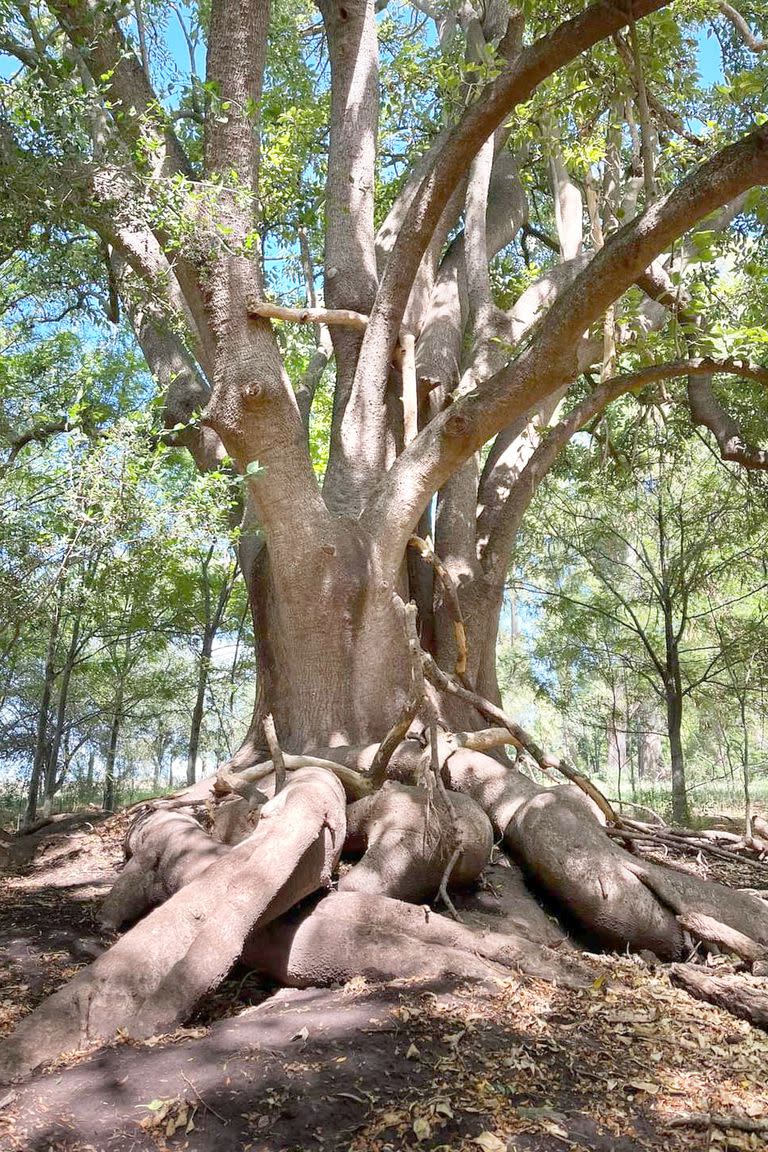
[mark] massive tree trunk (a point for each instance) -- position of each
(333, 664)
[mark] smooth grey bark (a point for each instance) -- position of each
(350, 251)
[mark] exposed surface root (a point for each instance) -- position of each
(736, 994)
(504, 903)
(557, 836)
(405, 854)
(168, 849)
(352, 934)
(237, 891)
(155, 974)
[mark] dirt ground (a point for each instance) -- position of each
(522, 1066)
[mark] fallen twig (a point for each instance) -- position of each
(666, 839)
(703, 1120)
(203, 1101)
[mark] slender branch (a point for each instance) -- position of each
(646, 145)
(480, 119)
(742, 27)
(355, 784)
(94, 30)
(343, 316)
(551, 358)
(497, 550)
(518, 736)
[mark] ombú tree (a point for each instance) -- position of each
(429, 371)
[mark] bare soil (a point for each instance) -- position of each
(525, 1066)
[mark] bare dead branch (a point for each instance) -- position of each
(705, 1120)
(519, 737)
(330, 316)
(715, 932)
(633, 830)
(355, 784)
(733, 993)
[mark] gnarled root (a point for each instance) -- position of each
(167, 850)
(155, 974)
(406, 852)
(557, 836)
(504, 903)
(350, 934)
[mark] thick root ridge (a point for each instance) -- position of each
(406, 851)
(168, 849)
(504, 903)
(243, 892)
(558, 836)
(559, 840)
(351, 934)
(155, 974)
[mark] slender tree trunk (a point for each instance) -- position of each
(745, 767)
(89, 774)
(197, 712)
(114, 732)
(673, 689)
(52, 761)
(680, 811)
(43, 717)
